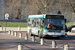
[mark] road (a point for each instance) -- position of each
(60, 42)
(8, 42)
(63, 40)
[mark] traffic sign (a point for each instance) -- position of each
(6, 16)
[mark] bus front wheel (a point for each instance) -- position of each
(39, 34)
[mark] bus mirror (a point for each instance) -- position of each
(65, 20)
(43, 21)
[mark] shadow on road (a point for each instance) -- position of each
(70, 37)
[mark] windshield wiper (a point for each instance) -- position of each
(58, 27)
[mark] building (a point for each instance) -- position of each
(2, 5)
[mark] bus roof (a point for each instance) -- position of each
(36, 16)
(41, 16)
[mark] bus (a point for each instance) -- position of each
(47, 25)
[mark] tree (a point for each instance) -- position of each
(14, 8)
(22, 8)
(59, 12)
(44, 6)
(71, 6)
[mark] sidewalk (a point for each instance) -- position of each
(7, 42)
(13, 28)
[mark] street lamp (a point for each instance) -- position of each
(73, 15)
(6, 18)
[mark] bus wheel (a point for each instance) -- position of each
(39, 34)
(30, 33)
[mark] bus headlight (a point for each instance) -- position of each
(62, 31)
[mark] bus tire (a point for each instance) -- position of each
(39, 34)
(30, 33)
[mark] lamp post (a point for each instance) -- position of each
(73, 15)
(72, 19)
(6, 18)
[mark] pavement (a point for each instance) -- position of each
(8, 42)
(13, 28)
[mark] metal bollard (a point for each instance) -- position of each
(26, 37)
(15, 34)
(19, 28)
(33, 38)
(53, 44)
(9, 32)
(66, 47)
(2, 28)
(20, 35)
(12, 32)
(42, 41)
(20, 47)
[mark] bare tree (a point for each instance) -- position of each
(14, 8)
(19, 8)
(44, 6)
(71, 6)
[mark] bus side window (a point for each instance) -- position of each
(38, 24)
(29, 22)
(28, 19)
(34, 23)
(42, 22)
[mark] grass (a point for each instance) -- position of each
(13, 24)
(70, 23)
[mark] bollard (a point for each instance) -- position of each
(15, 34)
(66, 34)
(26, 37)
(20, 47)
(1, 28)
(9, 32)
(12, 32)
(20, 35)
(19, 28)
(66, 47)
(33, 38)
(42, 41)
(53, 44)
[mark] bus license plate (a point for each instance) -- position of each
(54, 36)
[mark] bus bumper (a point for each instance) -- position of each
(53, 34)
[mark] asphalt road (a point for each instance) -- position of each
(9, 41)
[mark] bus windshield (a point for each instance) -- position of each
(56, 24)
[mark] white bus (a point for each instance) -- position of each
(47, 25)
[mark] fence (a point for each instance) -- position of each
(41, 41)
